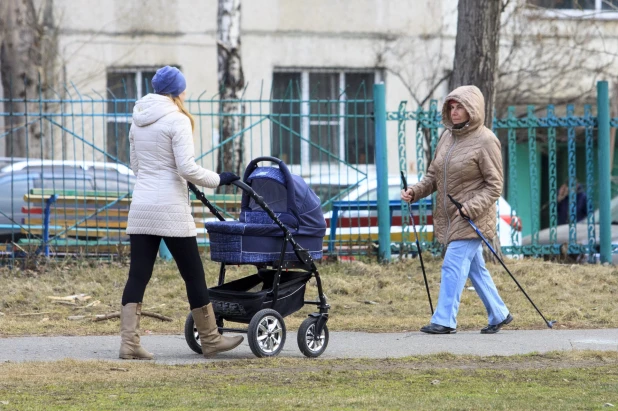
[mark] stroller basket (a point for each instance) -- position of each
(241, 299)
(235, 242)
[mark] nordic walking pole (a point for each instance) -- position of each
(418, 244)
(550, 324)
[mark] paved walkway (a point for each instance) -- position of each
(172, 349)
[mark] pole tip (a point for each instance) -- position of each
(550, 324)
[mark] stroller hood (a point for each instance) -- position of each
(288, 196)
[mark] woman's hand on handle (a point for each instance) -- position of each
(227, 178)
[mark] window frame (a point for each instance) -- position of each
(551, 13)
(123, 119)
(306, 122)
(139, 91)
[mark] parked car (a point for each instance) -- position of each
(15, 184)
(7, 161)
(581, 231)
(367, 190)
(33, 164)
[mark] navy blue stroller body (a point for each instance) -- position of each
(280, 231)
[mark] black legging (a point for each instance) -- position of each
(144, 249)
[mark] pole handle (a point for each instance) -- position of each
(459, 207)
(404, 181)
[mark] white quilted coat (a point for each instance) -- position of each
(163, 159)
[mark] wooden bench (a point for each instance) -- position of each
(72, 220)
(362, 229)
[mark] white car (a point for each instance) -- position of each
(363, 222)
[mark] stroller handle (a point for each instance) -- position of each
(200, 195)
(264, 158)
(253, 165)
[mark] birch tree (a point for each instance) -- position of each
(231, 84)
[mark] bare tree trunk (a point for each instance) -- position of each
(49, 54)
(49, 50)
(20, 63)
(476, 58)
(231, 84)
(476, 49)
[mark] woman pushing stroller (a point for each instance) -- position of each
(163, 159)
(468, 166)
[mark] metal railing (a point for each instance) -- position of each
(64, 136)
(338, 145)
(553, 146)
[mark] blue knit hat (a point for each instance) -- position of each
(169, 80)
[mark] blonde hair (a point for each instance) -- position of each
(183, 110)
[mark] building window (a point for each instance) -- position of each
(580, 5)
(322, 116)
(124, 87)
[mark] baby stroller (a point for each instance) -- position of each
(280, 231)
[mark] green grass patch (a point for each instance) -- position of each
(567, 381)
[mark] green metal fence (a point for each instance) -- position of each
(75, 160)
(77, 149)
(542, 148)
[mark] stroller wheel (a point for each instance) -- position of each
(310, 344)
(266, 333)
(191, 335)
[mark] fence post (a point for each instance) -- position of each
(384, 223)
(51, 200)
(605, 236)
(164, 252)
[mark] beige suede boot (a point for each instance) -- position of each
(212, 342)
(130, 349)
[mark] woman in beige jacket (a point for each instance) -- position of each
(163, 159)
(468, 166)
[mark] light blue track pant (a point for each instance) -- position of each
(463, 259)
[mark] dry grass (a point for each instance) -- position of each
(364, 296)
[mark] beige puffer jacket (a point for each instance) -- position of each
(163, 159)
(468, 166)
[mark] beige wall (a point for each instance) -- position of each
(412, 40)
(276, 34)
